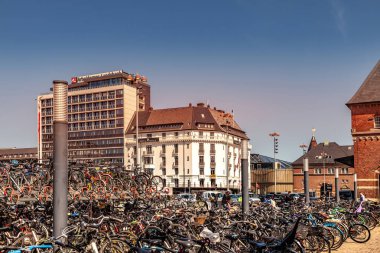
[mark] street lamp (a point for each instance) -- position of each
(324, 156)
(303, 147)
(275, 136)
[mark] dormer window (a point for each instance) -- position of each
(377, 121)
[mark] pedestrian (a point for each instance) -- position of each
(362, 197)
(226, 200)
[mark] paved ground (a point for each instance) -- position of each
(372, 246)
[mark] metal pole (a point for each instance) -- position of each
(137, 128)
(306, 180)
(337, 197)
(274, 165)
(227, 162)
(60, 184)
(355, 187)
(244, 176)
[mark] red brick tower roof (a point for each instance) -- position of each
(369, 91)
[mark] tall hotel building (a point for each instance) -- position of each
(195, 147)
(100, 107)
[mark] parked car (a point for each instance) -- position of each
(187, 197)
(235, 198)
(207, 194)
(254, 197)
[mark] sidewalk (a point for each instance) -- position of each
(371, 246)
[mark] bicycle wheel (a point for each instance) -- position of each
(359, 233)
(113, 246)
(296, 247)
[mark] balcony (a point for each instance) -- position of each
(212, 152)
(213, 176)
(103, 97)
(212, 164)
(148, 153)
(175, 152)
(201, 176)
(201, 163)
(175, 165)
(176, 176)
(162, 153)
(149, 166)
(201, 151)
(111, 97)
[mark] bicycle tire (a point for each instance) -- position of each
(357, 229)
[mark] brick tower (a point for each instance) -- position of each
(365, 121)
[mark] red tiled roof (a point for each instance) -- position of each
(185, 118)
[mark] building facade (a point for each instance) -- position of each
(100, 107)
(191, 148)
(323, 160)
(19, 154)
(263, 175)
(365, 130)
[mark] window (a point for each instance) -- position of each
(176, 182)
(149, 135)
(163, 171)
(164, 182)
(187, 146)
(163, 135)
(200, 134)
(164, 161)
(201, 148)
(212, 135)
(377, 121)
(188, 158)
(201, 160)
(163, 149)
(176, 160)
(258, 166)
(212, 159)
(149, 149)
(201, 182)
(176, 171)
(344, 171)
(176, 148)
(212, 171)
(317, 171)
(213, 183)
(212, 148)
(176, 134)
(201, 171)
(330, 170)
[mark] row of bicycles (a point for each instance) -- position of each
(146, 220)
(31, 180)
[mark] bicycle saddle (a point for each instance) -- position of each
(185, 243)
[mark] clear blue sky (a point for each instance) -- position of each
(280, 65)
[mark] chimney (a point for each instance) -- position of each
(200, 105)
(190, 105)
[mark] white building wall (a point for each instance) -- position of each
(191, 168)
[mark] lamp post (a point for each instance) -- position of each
(275, 136)
(303, 147)
(227, 158)
(323, 156)
(138, 92)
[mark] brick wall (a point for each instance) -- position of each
(366, 147)
(315, 180)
